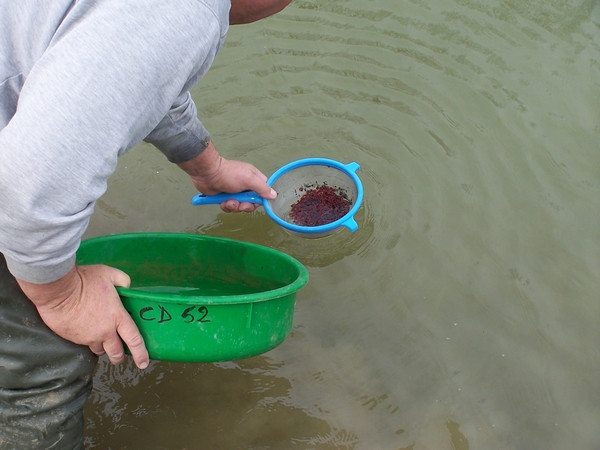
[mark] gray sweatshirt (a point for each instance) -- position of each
(81, 83)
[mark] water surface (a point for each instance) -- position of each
(463, 313)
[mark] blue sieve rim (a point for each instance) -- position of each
(348, 169)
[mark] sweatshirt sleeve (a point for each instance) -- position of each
(115, 73)
(180, 136)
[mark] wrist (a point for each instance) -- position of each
(205, 170)
(52, 295)
(205, 165)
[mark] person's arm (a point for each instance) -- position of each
(248, 11)
(102, 85)
(184, 141)
(180, 135)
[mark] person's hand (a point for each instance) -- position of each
(212, 174)
(84, 307)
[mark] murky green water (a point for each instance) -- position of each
(463, 313)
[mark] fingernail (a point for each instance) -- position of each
(273, 193)
(143, 365)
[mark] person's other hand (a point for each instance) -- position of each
(84, 307)
(212, 174)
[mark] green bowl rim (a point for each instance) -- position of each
(274, 294)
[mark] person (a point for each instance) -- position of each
(81, 83)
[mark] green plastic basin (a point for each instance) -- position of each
(199, 298)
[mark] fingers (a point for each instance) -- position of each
(265, 191)
(229, 176)
(238, 176)
(121, 328)
(134, 341)
(235, 206)
(258, 183)
(114, 351)
(262, 189)
(98, 350)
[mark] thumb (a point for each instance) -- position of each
(266, 191)
(119, 278)
(258, 183)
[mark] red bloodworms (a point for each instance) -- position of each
(319, 206)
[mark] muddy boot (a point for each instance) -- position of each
(44, 379)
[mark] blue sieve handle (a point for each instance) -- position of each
(351, 224)
(217, 199)
(352, 167)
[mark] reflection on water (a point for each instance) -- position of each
(311, 252)
(463, 311)
(194, 406)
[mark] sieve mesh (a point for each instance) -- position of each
(292, 185)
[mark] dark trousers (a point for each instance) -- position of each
(44, 379)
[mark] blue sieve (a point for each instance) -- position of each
(291, 182)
